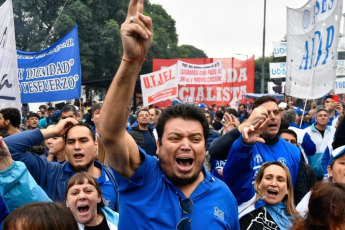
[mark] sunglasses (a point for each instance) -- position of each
(186, 206)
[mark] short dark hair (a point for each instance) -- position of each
(289, 131)
(43, 106)
(51, 108)
(92, 133)
(232, 111)
(13, 115)
(41, 216)
(140, 110)
(184, 111)
(68, 108)
(97, 106)
(261, 100)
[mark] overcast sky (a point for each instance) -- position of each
(222, 28)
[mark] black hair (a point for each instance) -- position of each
(262, 100)
(13, 115)
(184, 111)
(68, 108)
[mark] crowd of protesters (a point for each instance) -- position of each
(267, 165)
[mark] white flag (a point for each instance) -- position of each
(9, 87)
(312, 41)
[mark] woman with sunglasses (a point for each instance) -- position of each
(83, 194)
(269, 204)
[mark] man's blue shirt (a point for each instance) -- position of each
(150, 201)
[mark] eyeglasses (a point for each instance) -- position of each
(186, 206)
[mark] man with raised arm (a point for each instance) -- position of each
(175, 191)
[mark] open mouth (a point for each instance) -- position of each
(272, 192)
(83, 209)
(272, 125)
(185, 163)
(78, 156)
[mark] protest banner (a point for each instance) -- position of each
(340, 71)
(277, 70)
(340, 85)
(199, 74)
(52, 74)
(237, 80)
(312, 43)
(9, 89)
(279, 49)
(159, 86)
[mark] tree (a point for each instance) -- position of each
(98, 30)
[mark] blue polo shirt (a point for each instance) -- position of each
(150, 201)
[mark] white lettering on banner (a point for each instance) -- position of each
(52, 69)
(233, 76)
(48, 85)
(66, 44)
(213, 93)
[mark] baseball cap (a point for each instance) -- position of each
(201, 105)
(282, 106)
(337, 153)
(33, 115)
(176, 102)
(299, 111)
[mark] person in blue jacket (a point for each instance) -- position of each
(82, 196)
(173, 191)
(269, 204)
(80, 149)
(271, 147)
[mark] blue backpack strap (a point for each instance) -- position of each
(116, 186)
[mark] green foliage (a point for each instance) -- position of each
(99, 24)
(258, 71)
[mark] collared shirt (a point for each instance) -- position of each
(150, 201)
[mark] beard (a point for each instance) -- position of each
(81, 168)
(183, 181)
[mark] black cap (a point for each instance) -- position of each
(33, 115)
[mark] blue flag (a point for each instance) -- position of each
(52, 74)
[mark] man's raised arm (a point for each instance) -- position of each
(136, 35)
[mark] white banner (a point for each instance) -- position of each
(340, 85)
(199, 74)
(341, 44)
(340, 68)
(277, 70)
(9, 87)
(159, 86)
(279, 49)
(312, 42)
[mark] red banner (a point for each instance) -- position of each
(238, 79)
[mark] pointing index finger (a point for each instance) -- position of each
(135, 6)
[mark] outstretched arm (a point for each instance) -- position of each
(17, 186)
(121, 149)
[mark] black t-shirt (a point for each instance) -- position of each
(102, 226)
(258, 219)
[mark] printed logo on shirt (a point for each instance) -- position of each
(282, 160)
(219, 213)
(258, 159)
(259, 220)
